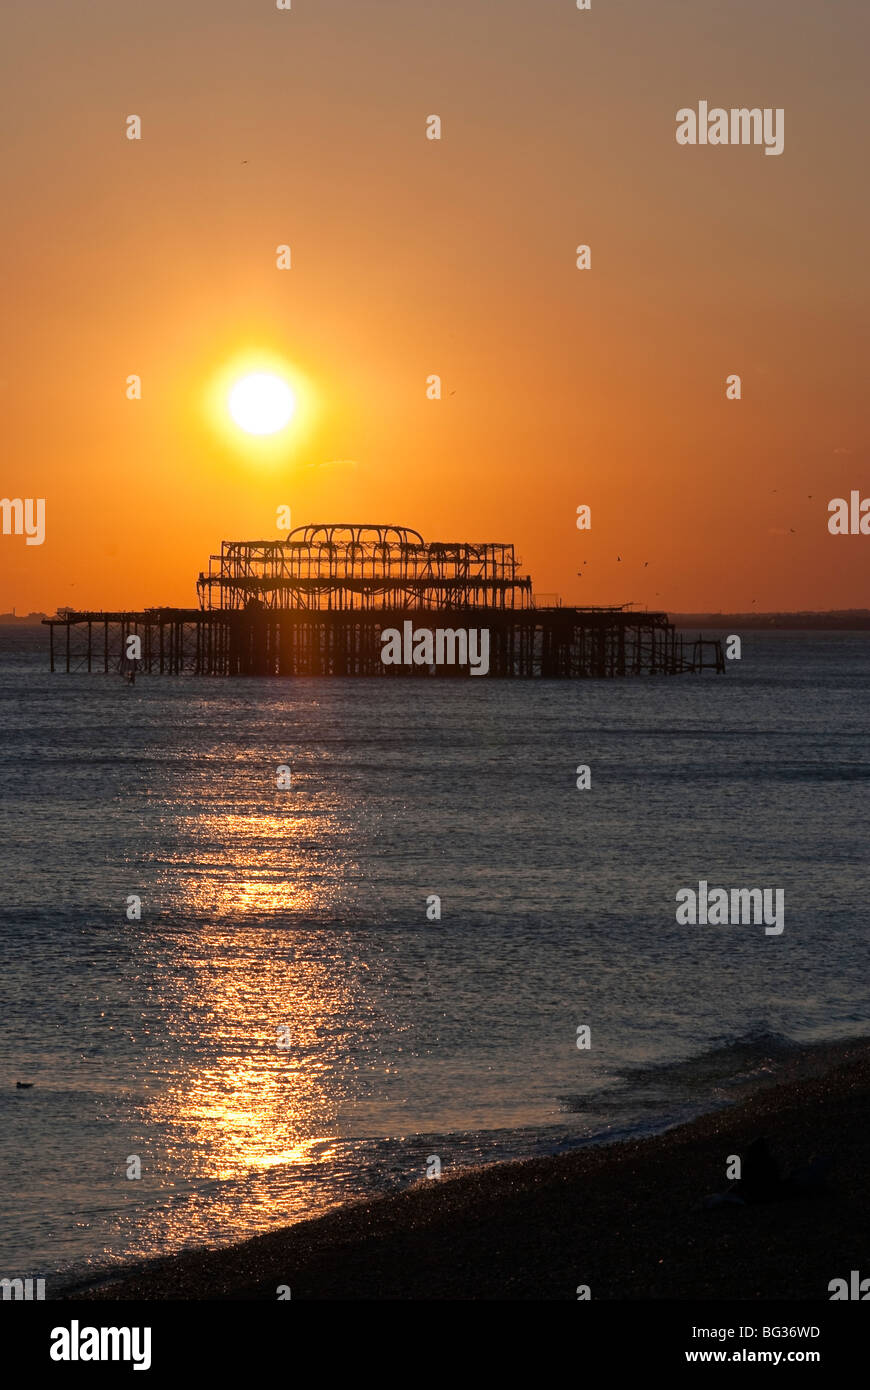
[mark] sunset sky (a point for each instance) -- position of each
(413, 257)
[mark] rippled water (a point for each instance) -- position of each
(306, 909)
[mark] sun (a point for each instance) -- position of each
(261, 403)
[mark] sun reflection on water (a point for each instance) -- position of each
(243, 957)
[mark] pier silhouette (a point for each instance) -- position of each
(316, 603)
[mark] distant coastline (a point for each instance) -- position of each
(836, 620)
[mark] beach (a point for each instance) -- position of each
(624, 1219)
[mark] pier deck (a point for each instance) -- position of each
(554, 643)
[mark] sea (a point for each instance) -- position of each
(236, 1004)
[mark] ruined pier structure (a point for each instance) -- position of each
(316, 603)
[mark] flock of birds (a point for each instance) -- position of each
(618, 561)
(791, 529)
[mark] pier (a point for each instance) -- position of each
(316, 603)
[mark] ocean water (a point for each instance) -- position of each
(306, 909)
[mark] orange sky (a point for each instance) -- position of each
(413, 257)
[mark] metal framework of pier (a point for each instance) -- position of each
(349, 567)
(316, 603)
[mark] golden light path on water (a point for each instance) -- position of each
(239, 1101)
